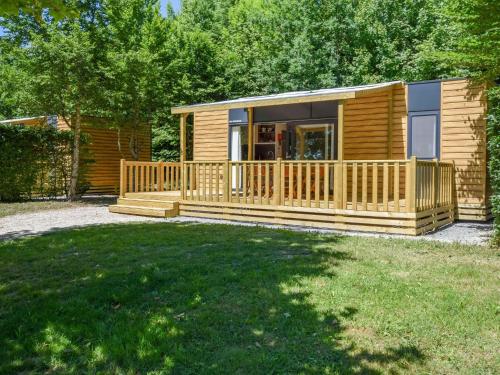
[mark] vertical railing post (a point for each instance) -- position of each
(338, 184)
(436, 184)
(123, 178)
(184, 180)
(412, 181)
(277, 183)
(226, 184)
(161, 176)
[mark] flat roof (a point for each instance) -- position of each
(21, 119)
(289, 98)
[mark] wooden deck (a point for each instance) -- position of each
(344, 219)
(396, 196)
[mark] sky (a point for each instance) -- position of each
(176, 4)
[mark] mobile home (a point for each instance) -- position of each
(390, 157)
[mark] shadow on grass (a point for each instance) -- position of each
(177, 298)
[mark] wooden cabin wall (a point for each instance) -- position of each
(211, 135)
(366, 130)
(463, 140)
(104, 173)
(365, 127)
(29, 122)
(366, 121)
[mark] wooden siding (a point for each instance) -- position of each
(366, 122)
(103, 173)
(374, 122)
(463, 140)
(211, 135)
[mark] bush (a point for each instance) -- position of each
(34, 162)
(494, 154)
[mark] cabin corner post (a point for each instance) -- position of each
(390, 126)
(250, 133)
(339, 166)
(182, 136)
(340, 131)
(390, 122)
(123, 178)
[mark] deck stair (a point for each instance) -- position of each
(146, 207)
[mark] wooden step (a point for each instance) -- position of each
(144, 211)
(147, 203)
(163, 196)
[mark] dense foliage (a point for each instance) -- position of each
(137, 63)
(476, 49)
(58, 8)
(144, 63)
(34, 162)
(494, 154)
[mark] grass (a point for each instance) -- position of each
(192, 299)
(7, 209)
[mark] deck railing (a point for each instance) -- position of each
(143, 176)
(359, 185)
(434, 184)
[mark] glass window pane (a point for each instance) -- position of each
(423, 136)
(239, 142)
(313, 142)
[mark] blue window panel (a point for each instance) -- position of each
(423, 134)
(424, 96)
(238, 116)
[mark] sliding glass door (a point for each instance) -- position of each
(310, 142)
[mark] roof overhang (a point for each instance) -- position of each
(290, 98)
(22, 119)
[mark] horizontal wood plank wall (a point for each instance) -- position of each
(365, 127)
(399, 123)
(463, 140)
(210, 135)
(366, 121)
(103, 173)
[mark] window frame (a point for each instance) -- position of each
(411, 115)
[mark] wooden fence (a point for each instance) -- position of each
(358, 185)
(434, 184)
(142, 176)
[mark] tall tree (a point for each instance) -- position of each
(65, 80)
(130, 68)
(58, 8)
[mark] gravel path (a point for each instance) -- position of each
(21, 225)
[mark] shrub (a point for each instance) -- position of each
(34, 162)
(494, 154)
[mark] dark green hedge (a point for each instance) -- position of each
(34, 162)
(494, 154)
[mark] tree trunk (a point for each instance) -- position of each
(75, 168)
(133, 144)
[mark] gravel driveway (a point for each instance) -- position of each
(27, 224)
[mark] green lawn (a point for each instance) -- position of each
(192, 299)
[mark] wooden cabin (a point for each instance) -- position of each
(391, 157)
(104, 154)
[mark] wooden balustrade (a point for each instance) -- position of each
(434, 184)
(142, 176)
(358, 185)
(204, 181)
